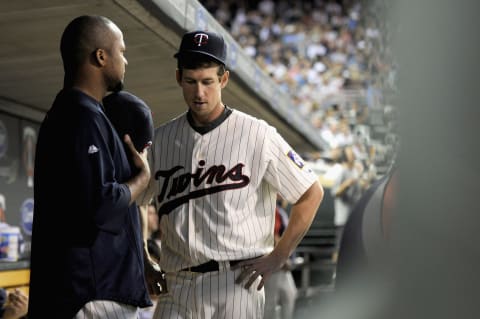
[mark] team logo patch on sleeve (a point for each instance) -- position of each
(296, 159)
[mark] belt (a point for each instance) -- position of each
(209, 266)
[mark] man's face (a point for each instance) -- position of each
(115, 71)
(202, 91)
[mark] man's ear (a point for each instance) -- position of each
(100, 56)
(224, 79)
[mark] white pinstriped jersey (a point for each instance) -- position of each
(217, 191)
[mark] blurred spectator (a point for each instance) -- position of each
(153, 225)
(280, 288)
(346, 190)
(322, 54)
(151, 230)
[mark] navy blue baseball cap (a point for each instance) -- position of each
(130, 115)
(203, 42)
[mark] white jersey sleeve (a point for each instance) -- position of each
(216, 190)
(286, 170)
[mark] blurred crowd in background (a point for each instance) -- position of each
(332, 58)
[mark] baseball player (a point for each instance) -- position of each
(215, 176)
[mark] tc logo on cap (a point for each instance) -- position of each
(200, 39)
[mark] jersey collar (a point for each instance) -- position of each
(212, 125)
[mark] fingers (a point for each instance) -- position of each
(256, 270)
(17, 296)
(249, 275)
(253, 277)
(128, 141)
(140, 160)
(243, 275)
(17, 302)
(149, 143)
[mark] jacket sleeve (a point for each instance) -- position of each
(103, 168)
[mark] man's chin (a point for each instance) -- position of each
(198, 107)
(117, 88)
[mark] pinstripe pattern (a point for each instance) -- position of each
(217, 192)
(231, 224)
(106, 309)
(211, 295)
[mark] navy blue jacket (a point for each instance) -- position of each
(86, 238)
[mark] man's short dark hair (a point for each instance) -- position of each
(82, 36)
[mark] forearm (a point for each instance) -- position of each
(138, 184)
(301, 217)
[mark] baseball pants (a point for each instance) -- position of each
(105, 309)
(210, 295)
